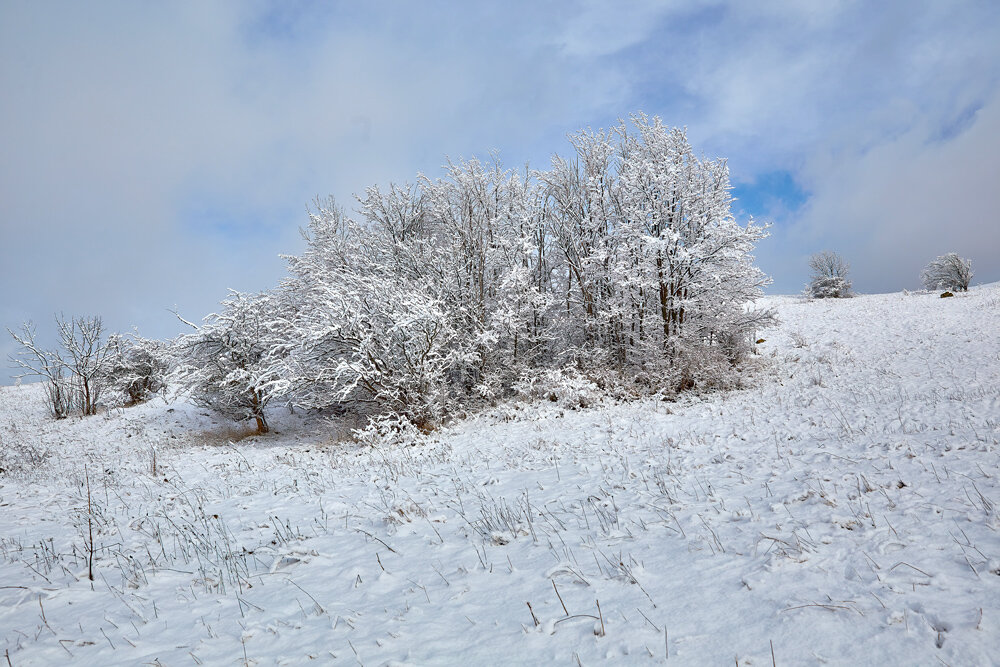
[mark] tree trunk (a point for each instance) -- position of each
(664, 291)
(258, 413)
(262, 426)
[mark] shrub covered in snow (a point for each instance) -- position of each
(566, 387)
(947, 272)
(829, 276)
(137, 369)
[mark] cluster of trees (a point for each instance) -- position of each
(622, 262)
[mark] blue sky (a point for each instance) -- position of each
(153, 155)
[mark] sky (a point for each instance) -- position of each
(155, 155)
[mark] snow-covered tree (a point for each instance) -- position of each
(829, 276)
(230, 362)
(369, 325)
(948, 272)
(138, 367)
(654, 257)
(487, 228)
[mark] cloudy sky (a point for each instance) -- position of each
(153, 155)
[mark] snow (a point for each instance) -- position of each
(842, 510)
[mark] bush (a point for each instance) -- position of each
(829, 276)
(947, 272)
(566, 387)
(138, 368)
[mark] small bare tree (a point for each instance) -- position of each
(34, 360)
(829, 276)
(948, 272)
(76, 374)
(88, 359)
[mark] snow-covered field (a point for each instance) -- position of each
(844, 510)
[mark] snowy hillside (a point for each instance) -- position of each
(844, 510)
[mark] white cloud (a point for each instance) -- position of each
(596, 28)
(904, 202)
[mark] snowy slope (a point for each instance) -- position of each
(842, 511)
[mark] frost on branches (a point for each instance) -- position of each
(229, 363)
(653, 262)
(138, 368)
(623, 261)
(76, 373)
(620, 267)
(948, 272)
